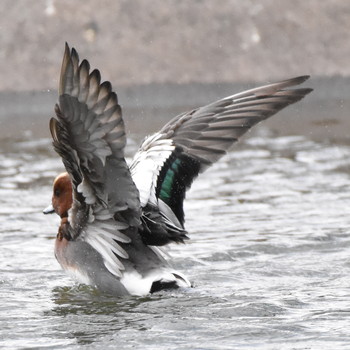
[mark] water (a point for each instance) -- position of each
(268, 255)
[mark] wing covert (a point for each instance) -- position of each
(202, 136)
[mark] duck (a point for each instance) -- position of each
(116, 218)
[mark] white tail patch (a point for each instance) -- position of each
(141, 285)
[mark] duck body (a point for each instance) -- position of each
(143, 267)
(114, 218)
(76, 258)
(145, 271)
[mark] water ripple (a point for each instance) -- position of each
(268, 255)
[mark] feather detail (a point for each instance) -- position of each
(169, 160)
(90, 137)
(147, 164)
(105, 251)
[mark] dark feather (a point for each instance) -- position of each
(89, 135)
(175, 178)
(156, 230)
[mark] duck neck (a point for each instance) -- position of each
(63, 231)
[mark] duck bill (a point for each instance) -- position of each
(49, 210)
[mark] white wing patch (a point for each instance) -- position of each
(147, 164)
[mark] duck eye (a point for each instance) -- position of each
(57, 192)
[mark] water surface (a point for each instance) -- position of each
(268, 256)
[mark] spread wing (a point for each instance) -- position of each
(89, 135)
(168, 161)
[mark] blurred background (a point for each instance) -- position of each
(164, 56)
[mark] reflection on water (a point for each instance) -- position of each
(268, 255)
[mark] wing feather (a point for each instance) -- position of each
(199, 138)
(89, 135)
